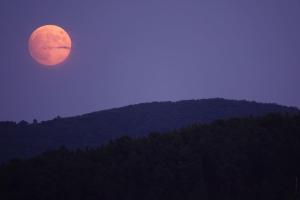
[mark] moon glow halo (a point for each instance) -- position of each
(50, 45)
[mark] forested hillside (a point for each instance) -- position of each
(237, 159)
(27, 139)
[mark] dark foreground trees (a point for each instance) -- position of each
(249, 158)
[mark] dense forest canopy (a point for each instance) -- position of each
(27, 139)
(237, 159)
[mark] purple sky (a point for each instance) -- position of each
(127, 52)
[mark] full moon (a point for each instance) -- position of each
(50, 45)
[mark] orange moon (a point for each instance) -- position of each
(50, 45)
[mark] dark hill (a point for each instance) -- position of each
(238, 159)
(92, 129)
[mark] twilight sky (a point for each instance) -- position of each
(126, 52)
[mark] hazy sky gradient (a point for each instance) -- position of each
(127, 52)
